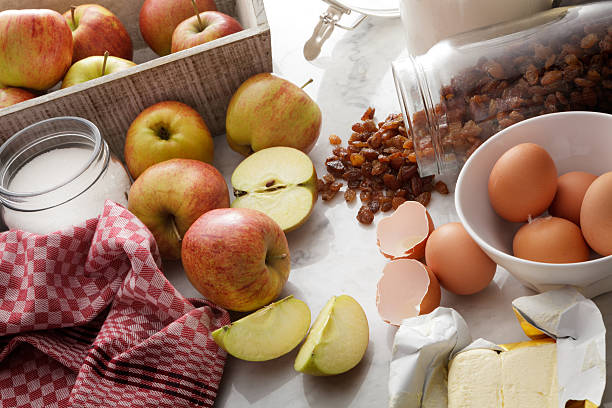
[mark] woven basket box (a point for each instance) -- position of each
(204, 77)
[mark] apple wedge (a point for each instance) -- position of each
(278, 181)
(337, 340)
(268, 333)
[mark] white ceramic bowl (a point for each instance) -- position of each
(577, 141)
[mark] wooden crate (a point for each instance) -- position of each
(204, 77)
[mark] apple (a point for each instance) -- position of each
(94, 67)
(35, 48)
(278, 181)
(169, 196)
(164, 131)
(95, 30)
(268, 333)
(159, 18)
(237, 258)
(202, 28)
(267, 111)
(10, 96)
(337, 340)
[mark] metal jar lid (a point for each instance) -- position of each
(336, 10)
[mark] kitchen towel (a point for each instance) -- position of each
(87, 319)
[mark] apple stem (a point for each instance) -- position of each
(307, 83)
(274, 257)
(72, 10)
(104, 62)
(175, 229)
(197, 13)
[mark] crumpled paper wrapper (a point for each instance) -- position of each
(424, 345)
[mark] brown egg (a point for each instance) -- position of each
(457, 261)
(522, 182)
(550, 240)
(571, 188)
(407, 289)
(596, 215)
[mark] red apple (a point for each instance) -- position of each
(169, 196)
(164, 131)
(159, 18)
(203, 28)
(10, 96)
(35, 48)
(237, 258)
(268, 111)
(95, 30)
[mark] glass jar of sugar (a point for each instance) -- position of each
(57, 173)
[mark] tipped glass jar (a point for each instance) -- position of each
(57, 173)
(469, 87)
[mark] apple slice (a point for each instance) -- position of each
(267, 333)
(337, 340)
(278, 181)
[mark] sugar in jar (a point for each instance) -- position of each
(57, 173)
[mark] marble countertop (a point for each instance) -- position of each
(332, 253)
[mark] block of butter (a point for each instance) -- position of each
(522, 376)
(435, 364)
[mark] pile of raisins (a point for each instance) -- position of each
(379, 165)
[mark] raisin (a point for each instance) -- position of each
(374, 206)
(365, 196)
(335, 140)
(397, 201)
(390, 181)
(386, 206)
(335, 167)
(365, 215)
(368, 114)
(441, 187)
(424, 198)
(349, 195)
(369, 154)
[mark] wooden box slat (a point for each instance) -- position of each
(204, 77)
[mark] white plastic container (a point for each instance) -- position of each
(428, 21)
(577, 141)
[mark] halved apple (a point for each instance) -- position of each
(278, 181)
(337, 340)
(268, 333)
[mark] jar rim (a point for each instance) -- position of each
(97, 147)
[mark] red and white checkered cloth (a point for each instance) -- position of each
(87, 319)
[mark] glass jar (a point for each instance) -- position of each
(57, 173)
(468, 87)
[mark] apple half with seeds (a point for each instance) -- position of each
(268, 333)
(337, 341)
(279, 181)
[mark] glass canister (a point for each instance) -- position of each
(57, 173)
(468, 87)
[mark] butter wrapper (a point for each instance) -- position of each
(424, 345)
(577, 325)
(421, 351)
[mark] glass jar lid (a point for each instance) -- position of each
(379, 8)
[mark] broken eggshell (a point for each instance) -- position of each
(404, 233)
(407, 288)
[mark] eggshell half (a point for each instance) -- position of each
(596, 215)
(404, 233)
(407, 289)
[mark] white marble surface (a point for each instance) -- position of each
(332, 253)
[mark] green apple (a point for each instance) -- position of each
(169, 196)
(337, 340)
(268, 111)
(95, 30)
(236, 257)
(267, 333)
(202, 28)
(278, 181)
(159, 18)
(94, 67)
(10, 96)
(164, 131)
(35, 48)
